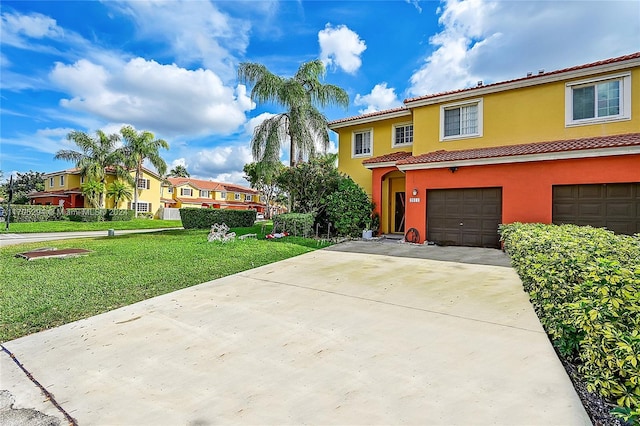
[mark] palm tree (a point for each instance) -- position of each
(179, 171)
(138, 147)
(119, 191)
(302, 124)
(93, 190)
(95, 157)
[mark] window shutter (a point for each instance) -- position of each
(149, 207)
(148, 183)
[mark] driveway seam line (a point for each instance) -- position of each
(393, 304)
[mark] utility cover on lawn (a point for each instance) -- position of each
(48, 252)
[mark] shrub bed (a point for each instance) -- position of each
(203, 218)
(33, 213)
(584, 284)
(298, 224)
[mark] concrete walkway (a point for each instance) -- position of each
(329, 337)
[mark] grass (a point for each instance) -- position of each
(45, 293)
(68, 226)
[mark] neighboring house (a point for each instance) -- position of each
(551, 147)
(189, 192)
(64, 188)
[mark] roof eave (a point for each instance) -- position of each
(359, 120)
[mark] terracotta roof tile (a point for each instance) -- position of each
(616, 141)
(394, 156)
(369, 115)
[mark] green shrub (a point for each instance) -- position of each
(86, 215)
(203, 218)
(349, 208)
(34, 213)
(584, 284)
(298, 224)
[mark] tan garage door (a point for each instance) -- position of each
(464, 217)
(615, 206)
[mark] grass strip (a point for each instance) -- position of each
(68, 226)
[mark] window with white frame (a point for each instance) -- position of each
(186, 191)
(51, 182)
(143, 183)
(140, 207)
(402, 135)
(598, 100)
(223, 195)
(461, 120)
(61, 180)
(362, 146)
(170, 190)
(204, 194)
(237, 196)
(247, 197)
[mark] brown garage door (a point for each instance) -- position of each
(615, 206)
(464, 217)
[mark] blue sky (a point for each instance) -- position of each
(170, 67)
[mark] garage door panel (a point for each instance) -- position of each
(615, 206)
(478, 209)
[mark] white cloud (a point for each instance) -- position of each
(416, 4)
(380, 98)
(197, 32)
(165, 99)
(341, 47)
(500, 40)
(16, 27)
(229, 159)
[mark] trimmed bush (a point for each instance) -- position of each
(298, 224)
(34, 213)
(584, 284)
(349, 208)
(86, 215)
(203, 218)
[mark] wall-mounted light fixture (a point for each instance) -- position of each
(415, 191)
(453, 169)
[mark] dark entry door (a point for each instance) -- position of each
(464, 217)
(399, 213)
(615, 206)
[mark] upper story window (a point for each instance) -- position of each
(247, 197)
(51, 182)
(61, 180)
(186, 191)
(81, 179)
(204, 194)
(598, 100)
(362, 143)
(143, 184)
(223, 195)
(402, 135)
(170, 190)
(236, 196)
(461, 120)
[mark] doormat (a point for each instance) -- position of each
(49, 252)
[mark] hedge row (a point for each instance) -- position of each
(298, 224)
(584, 284)
(99, 215)
(193, 218)
(29, 213)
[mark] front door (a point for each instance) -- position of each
(399, 213)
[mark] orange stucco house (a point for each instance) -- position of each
(552, 147)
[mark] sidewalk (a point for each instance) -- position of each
(13, 239)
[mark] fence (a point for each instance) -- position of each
(167, 213)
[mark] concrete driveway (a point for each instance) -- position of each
(330, 337)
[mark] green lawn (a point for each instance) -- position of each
(121, 270)
(67, 226)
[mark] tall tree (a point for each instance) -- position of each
(302, 125)
(92, 191)
(138, 147)
(179, 171)
(23, 183)
(96, 157)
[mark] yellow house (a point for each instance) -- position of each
(552, 147)
(64, 188)
(189, 192)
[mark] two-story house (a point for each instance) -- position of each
(552, 147)
(64, 188)
(189, 192)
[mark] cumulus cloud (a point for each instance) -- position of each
(17, 27)
(380, 98)
(341, 47)
(229, 159)
(499, 40)
(196, 32)
(165, 99)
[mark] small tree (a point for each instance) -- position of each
(119, 191)
(93, 190)
(23, 184)
(264, 179)
(179, 171)
(349, 208)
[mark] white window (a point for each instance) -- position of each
(247, 197)
(237, 196)
(170, 190)
(362, 145)
(51, 182)
(461, 120)
(204, 194)
(223, 195)
(61, 180)
(142, 207)
(186, 191)
(402, 135)
(81, 179)
(143, 184)
(598, 100)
